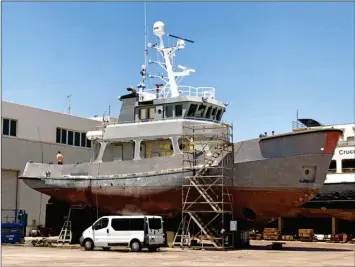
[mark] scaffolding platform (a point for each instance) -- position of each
(207, 210)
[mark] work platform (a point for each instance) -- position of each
(207, 210)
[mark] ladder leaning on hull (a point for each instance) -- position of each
(206, 202)
(66, 235)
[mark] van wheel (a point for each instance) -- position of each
(135, 246)
(88, 244)
(153, 249)
(106, 248)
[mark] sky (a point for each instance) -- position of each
(265, 59)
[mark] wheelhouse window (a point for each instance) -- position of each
(333, 166)
(192, 110)
(213, 115)
(178, 110)
(119, 151)
(208, 113)
(9, 127)
(219, 115)
(200, 111)
(168, 111)
(350, 138)
(156, 148)
(151, 113)
(143, 114)
(348, 165)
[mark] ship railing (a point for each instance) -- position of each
(165, 92)
(163, 119)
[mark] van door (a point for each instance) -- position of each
(155, 231)
(100, 232)
(119, 233)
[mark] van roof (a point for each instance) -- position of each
(131, 216)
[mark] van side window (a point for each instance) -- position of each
(120, 224)
(154, 223)
(103, 223)
(136, 224)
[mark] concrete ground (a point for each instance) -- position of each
(293, 254)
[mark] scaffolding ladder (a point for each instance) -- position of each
(207, 206)
(65, 235)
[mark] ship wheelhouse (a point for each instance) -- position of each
(156, 128)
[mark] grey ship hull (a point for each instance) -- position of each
(272, 176)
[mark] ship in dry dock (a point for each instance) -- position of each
(137, 165)
(337, 196)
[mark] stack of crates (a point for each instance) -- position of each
(306, 235)
(272, 234)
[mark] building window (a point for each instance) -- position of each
(333, 166)
(168, 111)
(9, 127)
(70, 138)
(178, 110)
(64, 136)
(58, 135)
(348, 165)
(83, 139)
(88, 143)
(77, 139)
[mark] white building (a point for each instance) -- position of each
(34, 134)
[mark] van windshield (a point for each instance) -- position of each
(154, 223)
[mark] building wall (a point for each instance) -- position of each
(35, 141)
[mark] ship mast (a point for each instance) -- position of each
(170, 88)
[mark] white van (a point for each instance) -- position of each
(136, 232)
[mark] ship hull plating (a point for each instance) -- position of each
(272, 176)
(334, 200)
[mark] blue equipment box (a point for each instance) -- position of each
(13, 226)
